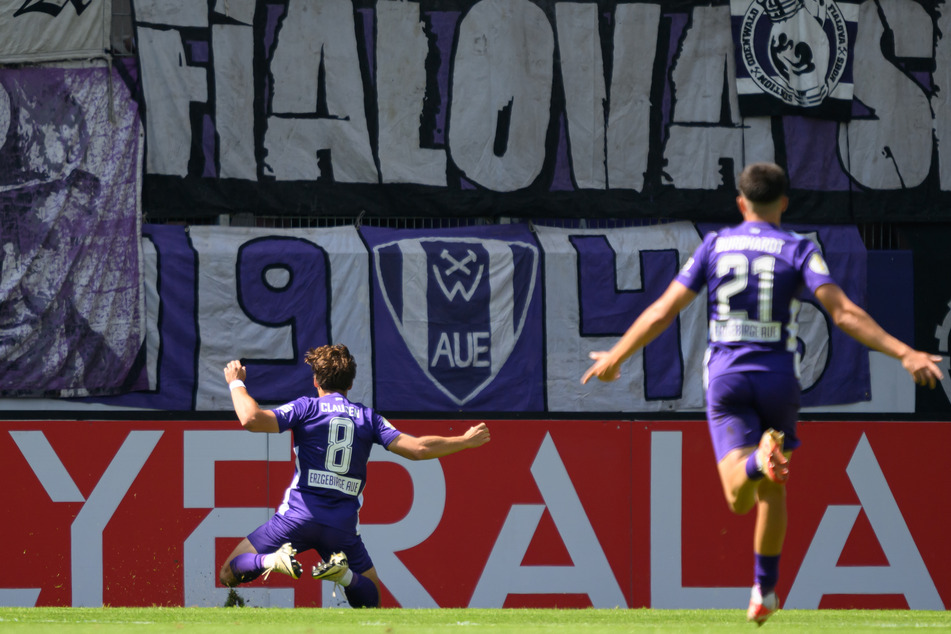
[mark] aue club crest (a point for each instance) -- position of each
(795, 50)
(459, 304)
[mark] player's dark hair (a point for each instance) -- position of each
(334, 367)
(763, 182)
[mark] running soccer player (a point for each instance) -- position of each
(754, 273)
(332, 441)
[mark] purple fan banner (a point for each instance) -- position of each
(496, 318)
(71, 307)
(458, 314)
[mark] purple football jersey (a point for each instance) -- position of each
(332, 442)
(754, 273)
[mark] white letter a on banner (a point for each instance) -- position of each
(906, 573)
(591, 574)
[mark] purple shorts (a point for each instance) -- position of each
(306, 534)
(742, 405)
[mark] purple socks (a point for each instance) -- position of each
(752, 471)
(247, 566)
(362, 593)
(766, 572)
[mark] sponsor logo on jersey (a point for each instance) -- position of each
(735, 330)
(327, 480)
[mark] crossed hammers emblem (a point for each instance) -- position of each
(458, 265)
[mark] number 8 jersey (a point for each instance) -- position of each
(332, 442)
(755, 272)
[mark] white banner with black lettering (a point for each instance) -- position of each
(46, 30)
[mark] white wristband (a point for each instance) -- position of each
(235, 383)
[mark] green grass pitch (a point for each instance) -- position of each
(458, 621)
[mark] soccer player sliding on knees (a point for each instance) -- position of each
(332, 441)
(753, 273)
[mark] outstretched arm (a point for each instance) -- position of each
(428, 447)
(252, 417)
(859, 325)
(647, 327)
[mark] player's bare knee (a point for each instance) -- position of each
(738, 506)
(768, 489)
(739, 499)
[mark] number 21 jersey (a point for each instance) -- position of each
(755, 274)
